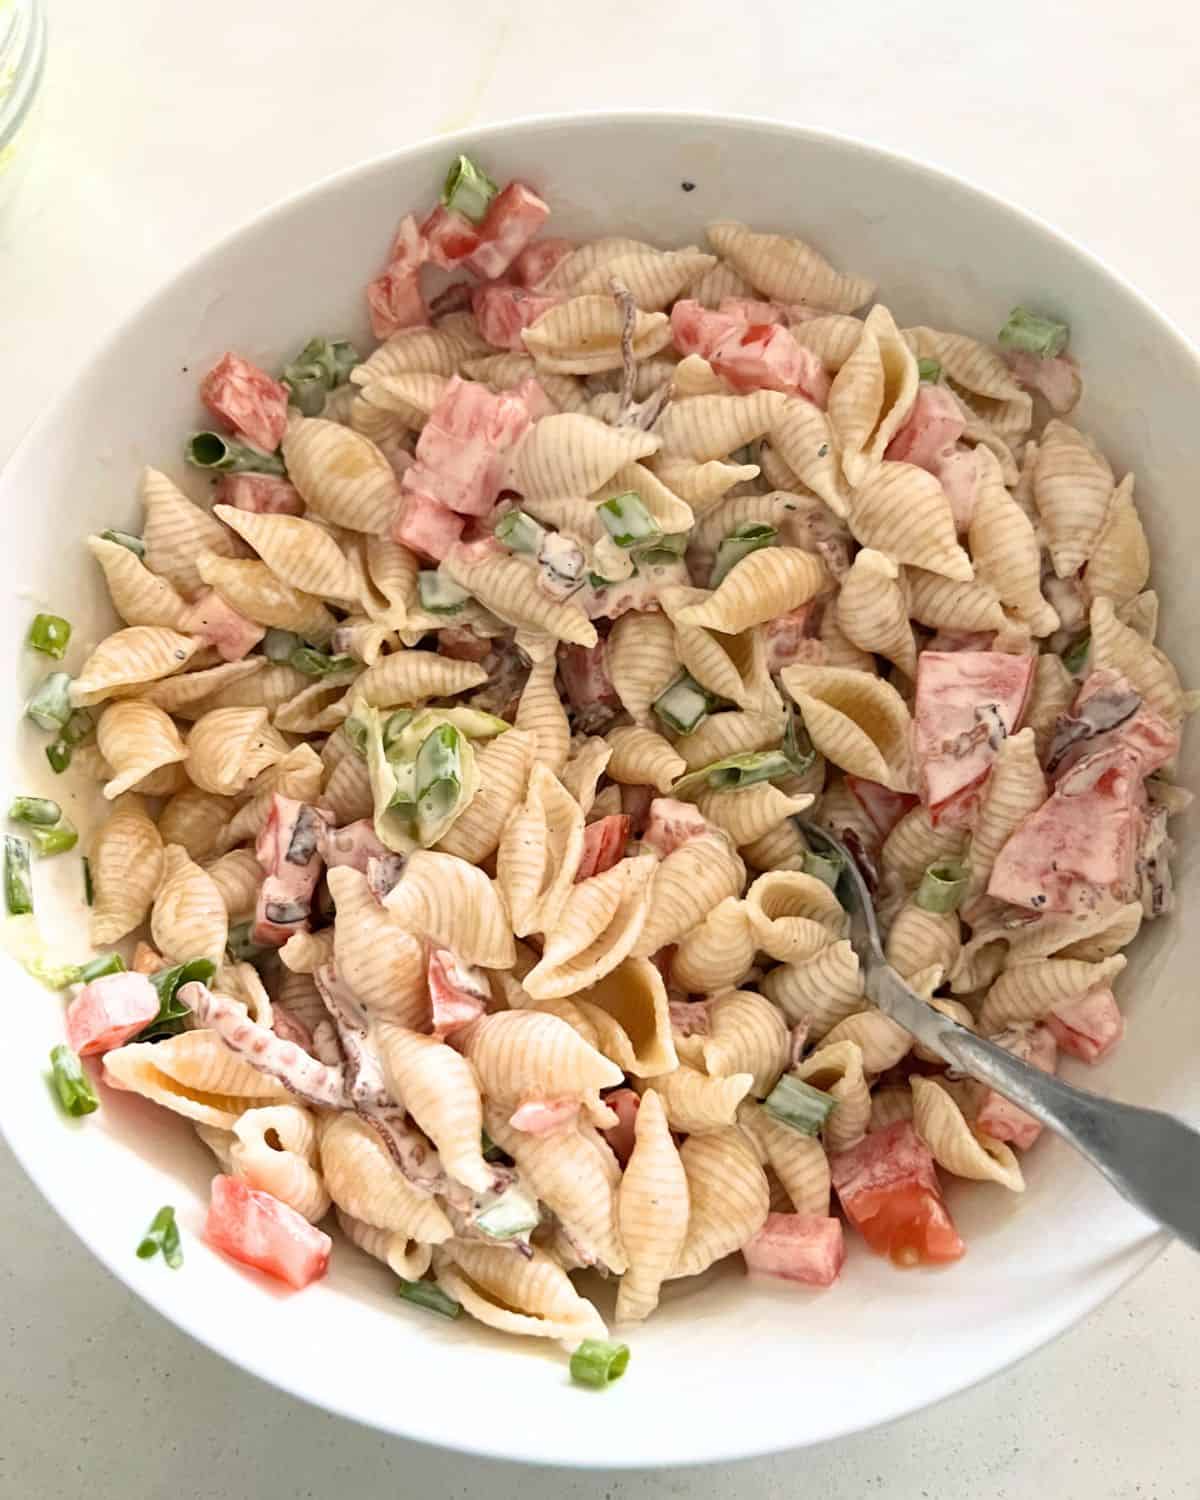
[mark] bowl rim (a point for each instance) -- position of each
(1121, 1268)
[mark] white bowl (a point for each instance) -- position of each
(731, 1368)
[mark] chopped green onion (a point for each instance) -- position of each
(796, 1103)
(127, 540)
(736, 771)
(74, 732)
(1030, 334)
(59, 756)
(521, 532)
(740, 543)
(56, 840)
(1076, 654)
(673, 542)
(356, 733)
(942, 887)
(684, 705)
(439, 595)
(395, 725)
(18, 881)
(317, 369)
(929, 370)
(439, 778)
(797, 746)
(38, 810)
(513, 1214)
(50, 634)
(598, 1362)
(172, 1012)
(71, 1083)
(628, 521)
(50, 705)
(468, 190)
(826, 868)
(241, 944)
(89, 890)
(163, 1235)
(317, 663)
(209, 450)
(97, 968)
(278, 645)
(429, 1295)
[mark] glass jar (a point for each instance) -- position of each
(22, 64)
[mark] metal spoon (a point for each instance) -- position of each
(1151, 1158)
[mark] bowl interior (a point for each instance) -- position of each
(728, 1368)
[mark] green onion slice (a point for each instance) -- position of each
(826, 868)
(241, 944)
(429, 1295)
(59, 756)
(71, 1083)
(89, 890)
(171, 1011)
(50, 705)
(97, 968)
(40, 811)
(799, 749)
(18, 878)
(929, 370)
(736, 771)
(163, 1235)
(684, 706)
(438, 781)
(315, 663)
(519, 531)
(56, 840)
(1028, 333)
(394, 726)
(127, 540)
(740, 543)
(317, 369)
(209, 450)
(796, 1103)
(1076, 654)
(598, 1362)
(440, 595)
(942, 887)
(513, 1214)
(278, 645)
(628, 522)
(50, 634)
(468, 190)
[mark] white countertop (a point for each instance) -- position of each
(167, 124)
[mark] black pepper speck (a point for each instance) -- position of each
(688, 187)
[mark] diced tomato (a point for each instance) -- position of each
(536, 261)
(449, 237)
(884, 807)
(394, 301)
(798, 1247)
(790, 638)
(1090, 1027)
(889, 1190)
(750, 310)
(247, 401)
(514, 216)
(584, 673)
(1102, 698)
(751, 356)
(220, 625)
(671, 824)
(967, 702)
(260, 1231)
(1080, 843)
(424, 525)
(624, 1103)
(603, 845)
(110, 1010)
(930, 430)
(543, 1116)
(504, 312)
(459, 993)
(266, 494)
(1000, 1117)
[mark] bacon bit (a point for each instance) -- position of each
(514, 216)
(585, 679)
(1000, 1117)
(246, 401)
(789, 638)
(455, 299)
(290, 1028)
(458, 992)
(1089, 1027)
(503, 312)
(688, 1017)
(798, 1247)
(624, 1103)
(356, 845)
(219, 624)
(751, 356)
(671, 824)
(260, 1231)
(543, 1116)
(961, 640)
(289, 850)
(636, 802)
(796, 1043)
(460, 643)
(884, 807)
(603, 845)
(535, 263)
(265, 494)
(109, 1011)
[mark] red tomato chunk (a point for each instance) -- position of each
(888, 1187)
(260, 1231)
(1090, 1027)
(110, 1010)
(247, 401)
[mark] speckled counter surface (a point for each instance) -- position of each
(1085, 112)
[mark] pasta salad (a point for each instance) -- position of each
(455, 751)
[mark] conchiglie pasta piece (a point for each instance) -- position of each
(139, 596)
(746, 1034)
(636, 998)
(175, 532)
(804, 439)
(408, 1258)
(783, 848)
(1029, 991)
(591, 256)
(391, 575)
(718, 953)
(504, 766)
(858, 722)
(687, 885)
(126, 858)
(707, 427)
(918, 938)
(129, 658)
(837, 1069)
(383, 965)
(193, 1074)
(640, 757)
(696, 1103)
(454, 905)
(388, 410)
(583, 336)
(793, 915)
(275, 1150)
(671, 513)
(694, 376)
(882, 1041)
(540, 712)
(1014, 789)
(341, 474)
(746, 814)
(232, 684)
(719, 282)
(1119, 563)
(801, 521)
(531, 1296)
(1005, 550)
(729, 733)
(821, 990)
(434, 349)
(195, 819)
(654, 277)
(521, 1055)
(770, 582)
(189, 919)
(581, 775)
(1072, 487)
(903, 511)
(320, 706)
(955, 1146)
(439, 1090)
(788, 270)
(600, 922)
(980, 375)
(413, 676)
(872, 394)
(946, 604)
(653, 1210)
(363, 1180)
(539, 853)
(799, 1161)
(728, 1197)
(509, 587)
(1117, 646)
(873, 610)
(572, 454)
(238, 876)
(504, 371)
(832, 337)
(297, 775)
(298, 551)
(254, 591)
(701, 485)
(229, 747)
(915, 844)
(135, 739)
